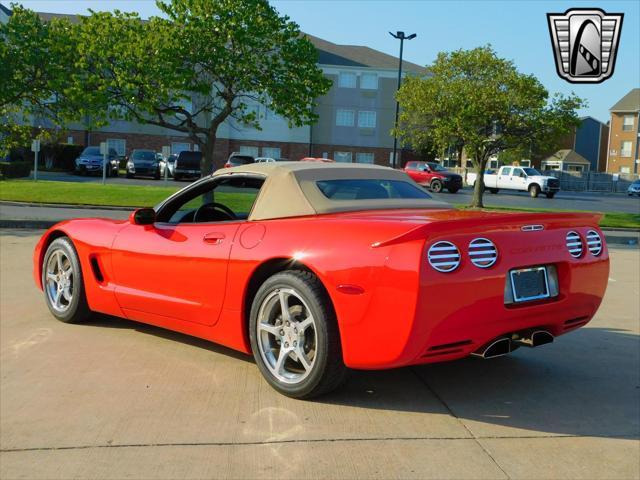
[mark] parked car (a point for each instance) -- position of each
(433, 176)
(375, 247)
(634, 188)
(143, 163)
(91, 161)
(169, 164)
(187, 164)
(525, 179)
(236, 159)
(270, 159)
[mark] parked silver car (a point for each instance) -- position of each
(634, 188)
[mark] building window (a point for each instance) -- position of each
(249, 150)
(271, 152)
(118, 144)
(525, 163)
(574, 168)
(343, 157)
(366, 119)
(369, 81)
(345, 118)
(627, 123)
(625, 148)
(177, 147)
(364, 157)
(625, 170)
(347, 80)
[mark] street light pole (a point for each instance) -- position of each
(400, 36)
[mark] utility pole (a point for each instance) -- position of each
(402, 37)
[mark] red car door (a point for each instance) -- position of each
(175, 271)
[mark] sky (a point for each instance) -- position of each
(517, 30)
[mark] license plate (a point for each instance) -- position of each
(529, 284)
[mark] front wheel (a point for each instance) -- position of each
(436, 186)
(294, 335)
(63, 283)
(494, 190)
(534, 191)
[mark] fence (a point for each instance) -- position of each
(582, 181)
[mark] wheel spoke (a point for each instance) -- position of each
(306, 323)
(59, 260)
(282, 356)
(272, 329)
(56, 300)
(66, 292)
(52, 277)
(284, 305)
(302, 358)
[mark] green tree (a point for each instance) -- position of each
(36, 59)
(205, 63)
(476, 99)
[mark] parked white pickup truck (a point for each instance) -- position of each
(518, 178)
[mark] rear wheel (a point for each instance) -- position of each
(534, 191)
(436, 186)
(550, 194)
(294, 335)
(63, 283)
(453, 189)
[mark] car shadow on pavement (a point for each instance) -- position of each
(585, 384)
(107, 321)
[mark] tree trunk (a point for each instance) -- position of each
(478, 189)
(207, 163)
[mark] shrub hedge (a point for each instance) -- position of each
(14, 169)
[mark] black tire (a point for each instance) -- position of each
(328, 370)
(176, 177)
(534, 190)
(436, 186)
(494, 190)
(550, 194)
(130, 175)
(156, 176)
(453, 189)
(77, 310)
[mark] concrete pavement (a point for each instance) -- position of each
(116, 399)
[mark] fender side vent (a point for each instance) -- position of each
(446, 346)
(95, 268)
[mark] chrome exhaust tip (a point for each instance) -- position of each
(541, 337)
(494, 349)
(533, 338)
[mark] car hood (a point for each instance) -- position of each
(144, 163)
(90, 159)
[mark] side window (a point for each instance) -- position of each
(506, 171)
(517, 172)
(223, 199)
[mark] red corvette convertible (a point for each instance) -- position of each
(319, 268)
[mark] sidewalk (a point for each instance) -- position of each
(20, 215)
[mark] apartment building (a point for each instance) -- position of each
(355, 117)
(623, 135)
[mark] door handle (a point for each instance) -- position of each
(213, 238)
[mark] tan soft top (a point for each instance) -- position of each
(290, 188)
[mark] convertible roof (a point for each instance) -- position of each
(290, 188)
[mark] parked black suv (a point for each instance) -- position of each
(187, 165)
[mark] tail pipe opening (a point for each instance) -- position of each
(504, 345)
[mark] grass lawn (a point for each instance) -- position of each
(147, 196)
(107, 195)
(610, 220)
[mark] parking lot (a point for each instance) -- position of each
(116, 399)
(587, 201)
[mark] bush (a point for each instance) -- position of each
(14, 169)
(59, 156)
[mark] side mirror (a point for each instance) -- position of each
(143, 216)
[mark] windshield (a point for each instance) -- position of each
(144, 155)
(369, 189)
(91, 151)
(531, 171)
(436, 167)
(237, 160)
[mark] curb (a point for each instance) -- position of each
(609, 235)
